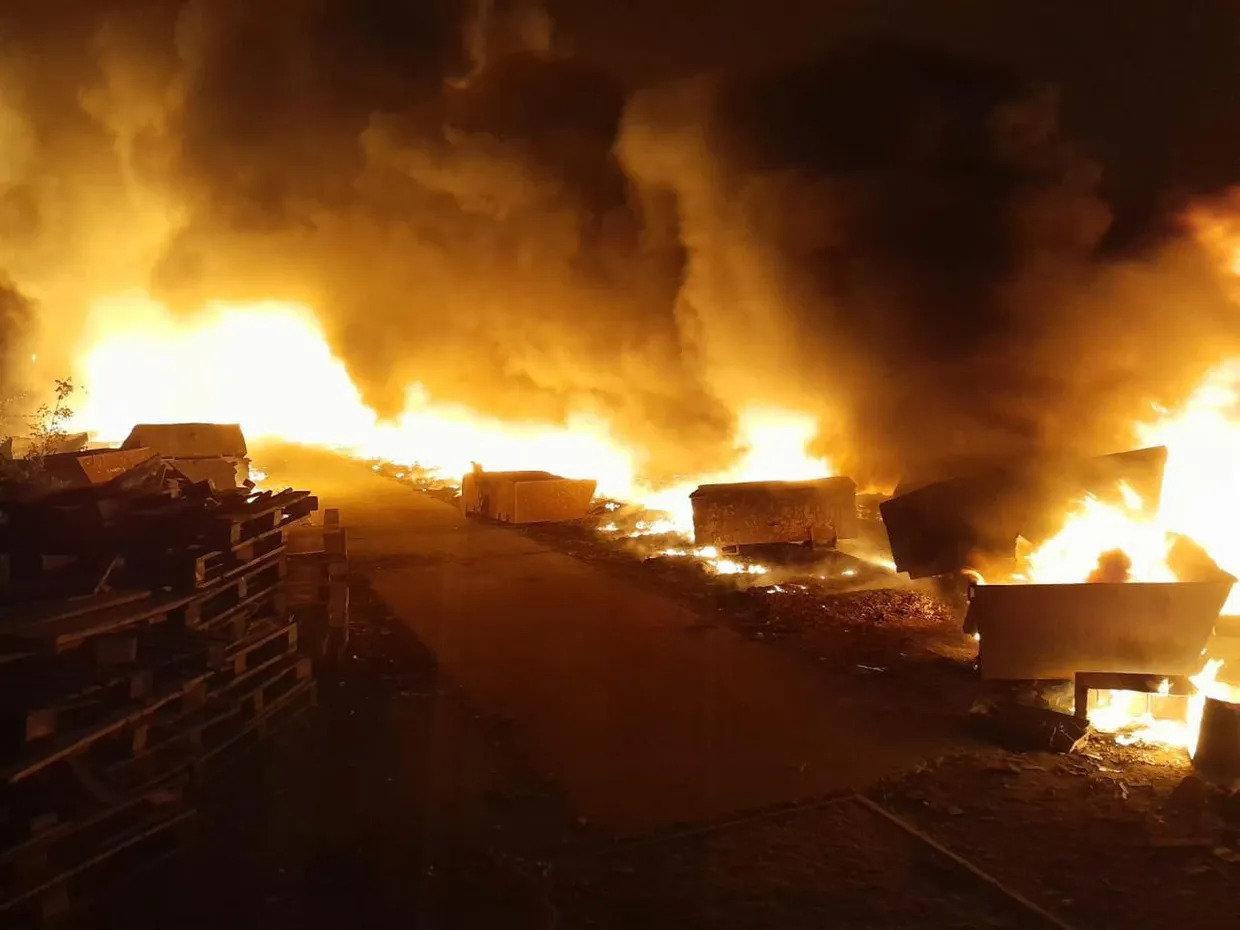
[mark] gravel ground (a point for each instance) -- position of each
(837, 864)
(1108, 837)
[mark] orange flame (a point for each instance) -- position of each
(268, 366)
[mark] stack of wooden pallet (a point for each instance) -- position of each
(178, 647)
(317, 583)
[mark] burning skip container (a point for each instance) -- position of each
(757, 512)
(940, 528)
(1062, 631)
(525, 496)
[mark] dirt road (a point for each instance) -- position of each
(644, 712)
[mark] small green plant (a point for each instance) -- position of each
(47, 424)
(45, 432)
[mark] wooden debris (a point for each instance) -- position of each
(180, 649)
(1021, 728)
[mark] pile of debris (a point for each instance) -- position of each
(145, 636)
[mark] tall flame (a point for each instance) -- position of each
(1095, 530)
(268, 366)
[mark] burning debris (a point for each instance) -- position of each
(1131, 652)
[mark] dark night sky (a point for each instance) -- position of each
(1153, 86)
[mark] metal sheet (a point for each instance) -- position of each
(757, 512)
(1054, 631)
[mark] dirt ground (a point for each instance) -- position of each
(1109, 836)
(423, 791)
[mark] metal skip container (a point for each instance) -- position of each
(1055, 631)
(937, 528)
(525, 496)
(758, 512)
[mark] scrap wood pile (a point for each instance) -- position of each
(145, 635)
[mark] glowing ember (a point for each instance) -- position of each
(719, 564)
(1134, 717)
(733, 567)
(653, 528)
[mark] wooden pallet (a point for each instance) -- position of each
(232, 525)
(130, 720)
(57, 628)
(52, 872)
(261, 576)
(231, 623)
(114, 695)
(184, 741)
(265, 640)
(328, 539)
(193, 567)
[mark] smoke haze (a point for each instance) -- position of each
(902, 240)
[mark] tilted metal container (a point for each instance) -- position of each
(942, 527)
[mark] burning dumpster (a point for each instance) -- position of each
(213, 452)
(757, 512)
(939, 528)
(525, 496)
(1057, 631)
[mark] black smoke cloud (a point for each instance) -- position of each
(908, 243)
(15, 317)
(902, 242)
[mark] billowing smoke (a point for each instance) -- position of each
(15, 318)
(901, 242)
(909, 245)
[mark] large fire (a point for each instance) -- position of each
(142, 363)
(268, 366)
